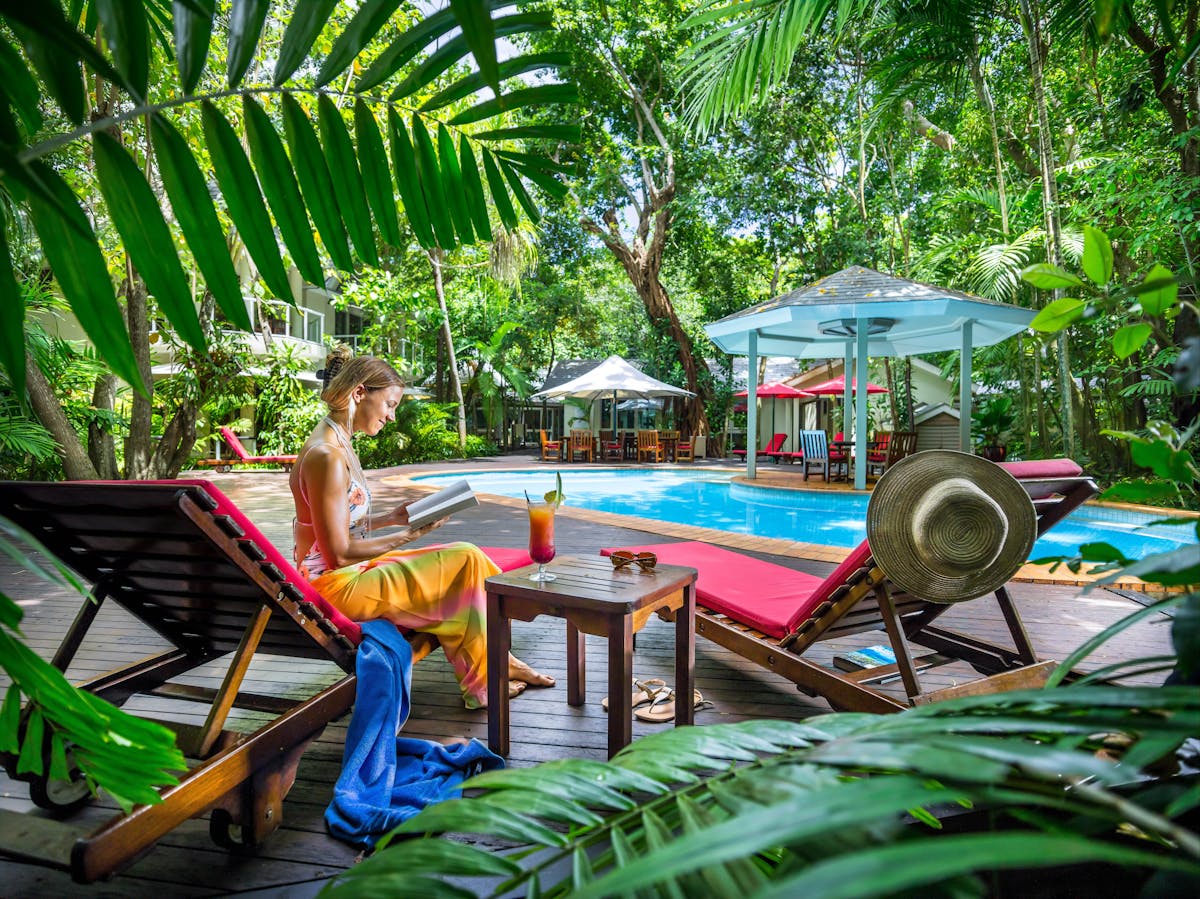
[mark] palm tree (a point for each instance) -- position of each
(445, 141)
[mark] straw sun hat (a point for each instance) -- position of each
(948, 526)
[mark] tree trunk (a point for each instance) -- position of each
(1031, 21)
(435, 260)
(984, 94)
(138, 445)
(76, 464)
(102, 449)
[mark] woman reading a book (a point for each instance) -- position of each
(436, 589)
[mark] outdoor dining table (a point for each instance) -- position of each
(669, 440)
(846, 448)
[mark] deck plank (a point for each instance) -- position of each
(544, 727)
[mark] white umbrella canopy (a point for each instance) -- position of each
(858, 313)
(613, 378)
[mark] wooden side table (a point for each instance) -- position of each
(597, 599)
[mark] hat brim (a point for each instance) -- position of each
(905, 559)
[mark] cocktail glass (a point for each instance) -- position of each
(541, 538)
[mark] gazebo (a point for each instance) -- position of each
(858, 313)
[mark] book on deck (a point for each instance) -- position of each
(869, 657)
(428, 509)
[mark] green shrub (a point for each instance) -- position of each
(420, 433)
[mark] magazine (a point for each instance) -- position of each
(428, 509)
(870, 657)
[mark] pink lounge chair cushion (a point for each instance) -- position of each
(764, 595)
(1042, 468)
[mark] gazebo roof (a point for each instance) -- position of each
(903, 318)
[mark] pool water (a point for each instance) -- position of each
(709, 499)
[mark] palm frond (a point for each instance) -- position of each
(995, 271)
(829, 804)
(745, 49)
(307, 171)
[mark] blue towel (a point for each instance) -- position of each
(386, 779)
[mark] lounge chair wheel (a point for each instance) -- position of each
(224, 468)
(229, 835)
(60, 796)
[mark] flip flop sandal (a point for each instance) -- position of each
(644, 691)
(663, 709)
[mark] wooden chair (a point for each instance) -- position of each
(814, 453)
(241, 457)
(668, 439)
(181, 558)
(551, 449)
(684, 450)
(614, 449)
(648, 445)
(772, 615)
(581, 445)
(898, 445)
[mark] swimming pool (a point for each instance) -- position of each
(709, 499)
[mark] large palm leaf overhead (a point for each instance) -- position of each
(430, 130)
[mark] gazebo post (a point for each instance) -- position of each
(860, 409)
(751, 404)
(848, 376)
(964, 389)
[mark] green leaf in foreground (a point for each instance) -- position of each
(1057, 315)
(1130, 338)
(1097, 255)
(1045, 276)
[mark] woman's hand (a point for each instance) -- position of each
(409, 536)
(400, 514)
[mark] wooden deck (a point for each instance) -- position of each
(300, 855)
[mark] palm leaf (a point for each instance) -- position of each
(246, 20)
(347, 179)
(307, 21)
(20, 87)
(243, 199)
(376, 173)
(405, 48)
(193, 31)
(282, 192)
(12, 316)
(366, 23)
(453, 183)
(137, 215)
(479, 31)
(430, 176)
(405, 168)
(128, 35)
(315, 182)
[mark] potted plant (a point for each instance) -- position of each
(991, 421)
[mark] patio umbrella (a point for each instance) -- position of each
(858, 313)
(616, 378)
(775, 391)
(837, 387)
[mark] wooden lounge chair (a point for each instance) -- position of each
(775, 445)
(241, 457)
(581, 445)
(551, 449)
(649, 446)
(772, 615)
(182, 559)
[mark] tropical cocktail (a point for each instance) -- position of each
(541, 538)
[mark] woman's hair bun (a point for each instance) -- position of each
(338, 357)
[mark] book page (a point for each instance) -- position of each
(428, 509)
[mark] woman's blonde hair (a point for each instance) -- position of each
(343, 372)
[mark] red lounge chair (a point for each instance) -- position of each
(772, 615)
(184, 560)
(243, 457)
(774, 448)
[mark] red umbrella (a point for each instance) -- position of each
(776, 390)
(837, 387)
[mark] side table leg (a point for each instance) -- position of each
(685, 657)
(576, 663)
(499, 639)
(620, 683)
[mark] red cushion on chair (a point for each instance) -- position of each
(764, 595)
(1043, 468)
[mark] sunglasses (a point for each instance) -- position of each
(623, 558)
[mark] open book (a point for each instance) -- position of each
(429, 509)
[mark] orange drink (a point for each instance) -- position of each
(541, 537)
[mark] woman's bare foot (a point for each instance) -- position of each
(515, 689)
(519, 672)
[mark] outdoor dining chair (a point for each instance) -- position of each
(581, 445)
(551, 449)
(684, 450)
(814, 453)
(648, 446)
(899, 445)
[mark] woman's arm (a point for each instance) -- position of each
(326, 483)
